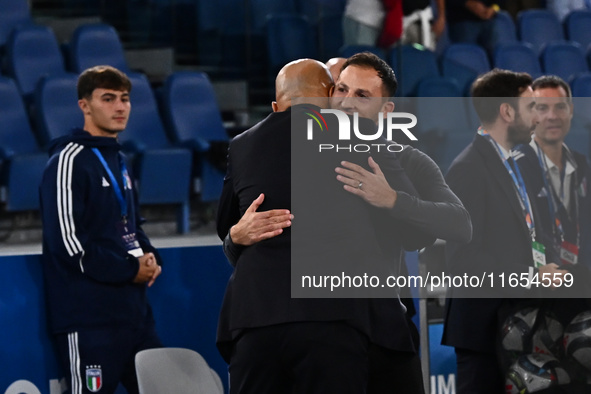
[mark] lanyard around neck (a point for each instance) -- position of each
(518, 183)
(554, 199)
(118, 193)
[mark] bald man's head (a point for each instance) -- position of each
(305, 79)
(335, 65)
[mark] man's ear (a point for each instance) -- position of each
(83, 104)
(388, 107)
(275, 106)
(507, 112)
(331, 91)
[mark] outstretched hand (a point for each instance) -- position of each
(256, 226)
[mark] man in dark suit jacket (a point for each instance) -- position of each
(504, 227)
(273, 342)
(558, 178)
(437, 211)
(559, 175)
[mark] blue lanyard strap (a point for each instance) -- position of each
(517, 182)
(521, 188)
(552, 194)
(120, 196)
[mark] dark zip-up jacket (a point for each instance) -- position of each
(88, 272)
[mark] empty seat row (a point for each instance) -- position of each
(32, 52)
(164, 167)
(564, 59)
(464, 62)
(539, 27)
(237, 16)
(324, 39)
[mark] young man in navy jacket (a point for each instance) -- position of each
(97, 260)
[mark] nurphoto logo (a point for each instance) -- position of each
(389, 124)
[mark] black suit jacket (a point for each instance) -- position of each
(531, 169)
(500, 243)
(568, 302)
(258, 293)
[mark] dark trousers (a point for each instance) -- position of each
(102, 358)
(478, 373)
(394, 372)
(303, 357)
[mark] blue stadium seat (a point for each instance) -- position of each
(163, 171)
(578, 27)
(350, 50)
(289, 37)
(518, 56)
(22, 160)
(56, 107)
(32, 53)
(13, 13)
(57, 112)
(261, 10)
(563, 59)
(443, 120)
(438, 87)
(464, 62)
(311, 9)
(505, 28)
(538, 27)
(93, 45)
(580, 133)
(330, 36)
(315, 10)
(193, 117)
(581, 85)
(411, 64)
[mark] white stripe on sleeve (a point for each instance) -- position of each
(64, 198)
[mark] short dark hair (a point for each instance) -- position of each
(385, 72)
(498, 86)
(103, 77)
(553, 82)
